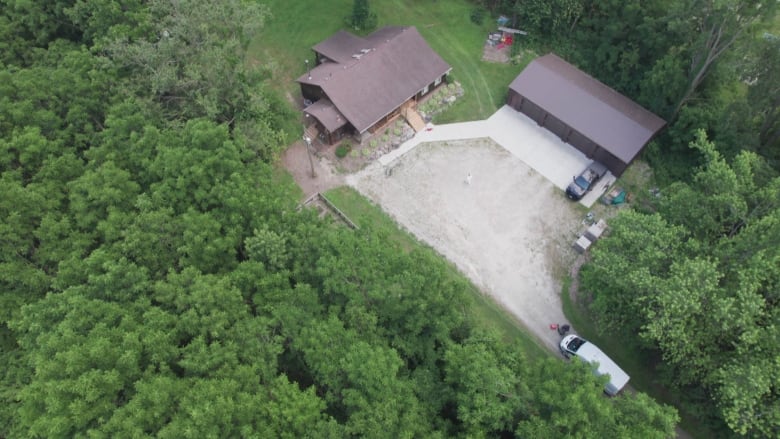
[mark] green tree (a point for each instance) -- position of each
(569, 402)
(407, 298)
(101, 20)
(362, 18)
(62, 96)
(626, 269)
(612, 40)
(85, 353)
(764, 93)
(486, 386)
(41, 21)
(709, 29)
(191, 59)
(362, 383)
(97, 192)
(698, 282)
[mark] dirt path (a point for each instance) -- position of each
(297, 163)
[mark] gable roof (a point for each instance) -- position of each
(370, 77)
(613, 121)
(340, 46)
(327, 113)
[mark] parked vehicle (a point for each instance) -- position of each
(573, 345)
(584, 182)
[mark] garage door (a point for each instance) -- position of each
(582, 143)
(556, 126)
(614, 164)
(533, 111)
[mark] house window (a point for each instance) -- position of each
(437, 82)
(424, 90)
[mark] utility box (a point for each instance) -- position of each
(582, 244)
(595, 231)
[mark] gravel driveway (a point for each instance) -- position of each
(509, 230)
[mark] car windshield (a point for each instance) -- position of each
(582, 182)
(575, 344)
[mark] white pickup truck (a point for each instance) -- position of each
(579, 347)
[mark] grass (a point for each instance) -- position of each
(636, 363)
(483, 311)
(295, 27)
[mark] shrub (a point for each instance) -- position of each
(372, 143)
(385, 137)
(343, 149)
(366, 152)
(397, 131)
(477, 15)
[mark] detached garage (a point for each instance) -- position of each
(605, 125)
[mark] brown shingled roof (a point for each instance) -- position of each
(397, 65)
(327, 113)
(615, 122)
(341, 46)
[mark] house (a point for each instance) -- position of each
(357, 84)
(602, 123)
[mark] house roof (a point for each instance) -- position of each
(340, 46)
(329, 116)
(372, 76)
(615, 122)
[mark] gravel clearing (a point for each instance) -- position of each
(509, 230)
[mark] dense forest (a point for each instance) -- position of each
(159, 279)
(693, 273)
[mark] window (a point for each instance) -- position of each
(437, 82)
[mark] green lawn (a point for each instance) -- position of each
(482, 309)
(294, 27)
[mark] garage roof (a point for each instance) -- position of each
(613, 121)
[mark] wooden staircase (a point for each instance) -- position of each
(413, 117)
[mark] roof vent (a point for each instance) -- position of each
(357, 55)
(365, 50)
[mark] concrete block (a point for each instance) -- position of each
(595, 231)
(582, 244)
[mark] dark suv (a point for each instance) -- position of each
(585, 181)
